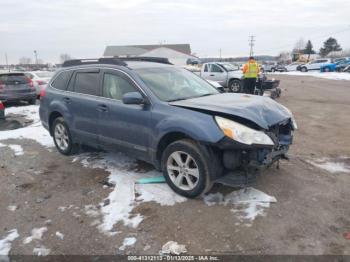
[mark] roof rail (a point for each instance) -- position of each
(161, 60)
(115, 61)
(104, 60)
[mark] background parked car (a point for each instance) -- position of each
(269, 67)
(315, 65)
(17, 87)
(293, 66)
(347, 69)
(338, 65)
(40, 79)
(2, 110)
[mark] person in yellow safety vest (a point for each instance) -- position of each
(250, 72)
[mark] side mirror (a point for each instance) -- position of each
(133, 98)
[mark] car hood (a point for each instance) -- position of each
(235, 74)
(263, 111)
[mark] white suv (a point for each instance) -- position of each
(315, 65)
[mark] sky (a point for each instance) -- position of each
(83, 28)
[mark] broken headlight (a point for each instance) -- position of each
(241, 133)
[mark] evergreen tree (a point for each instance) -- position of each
(330, 45)
(309, 49)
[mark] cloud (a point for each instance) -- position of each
(83, 28)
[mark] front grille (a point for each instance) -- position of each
(279, 132)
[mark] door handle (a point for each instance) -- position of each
(102, 108)
(212, 75)
(67, 100)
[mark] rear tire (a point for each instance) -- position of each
(235, 86)
(327, 69)
(186, 168)
(62, 137)
(32, 101)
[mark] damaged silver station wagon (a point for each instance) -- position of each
(168, 117)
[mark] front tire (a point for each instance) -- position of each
(62, 137)
(327, 69)
(186, 168)
(303, 69)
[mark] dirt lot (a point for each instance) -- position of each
(61, 195)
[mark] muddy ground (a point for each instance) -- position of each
(311, 216)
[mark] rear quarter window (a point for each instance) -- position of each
(62, 80)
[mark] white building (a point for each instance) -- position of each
(178, 54)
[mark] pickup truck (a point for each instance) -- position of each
(226, 74)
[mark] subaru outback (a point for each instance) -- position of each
(166, 116)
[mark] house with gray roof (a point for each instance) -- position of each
(178, 54)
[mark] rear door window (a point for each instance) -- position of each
(62, 80)
(87, 83)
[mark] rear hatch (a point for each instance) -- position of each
(15, 83)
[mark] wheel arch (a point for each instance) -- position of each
(53, 115)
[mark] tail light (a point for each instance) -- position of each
(42, 93)
(30, 83)
(41, 82)
(2, 107)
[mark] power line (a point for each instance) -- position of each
(311, 38)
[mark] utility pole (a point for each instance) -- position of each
(251, 44)
(36, 57)
(220, 54)
(7, 62)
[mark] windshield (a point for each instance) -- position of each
(170, 84)
(230, 67)
(44, 74)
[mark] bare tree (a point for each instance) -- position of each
(299, 46)
(25, 61)
(64, 57)
(284, 57)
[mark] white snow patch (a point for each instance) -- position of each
(122, 200)
(5, 244)
(12, 208)
(59, 235)
(129, 241)
(331, 166)
(34, 131)
(325, 75)
(17, 149)
(253, 201)
(37, 234)
(41, 251)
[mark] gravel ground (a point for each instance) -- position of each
(43, 189)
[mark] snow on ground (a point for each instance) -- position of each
(126, 195)
(129, 241)
(37, 234)
(326, 75)
(5, 244)
(17, 149)
(252, 200)
(332, 165)
(34, 131)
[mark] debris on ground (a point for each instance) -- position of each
(59, 235)
(173, 248)
(41, 251)
(129, 241)
(151, 180)
(37, 234)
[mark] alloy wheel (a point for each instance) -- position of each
(183, 170)
(61, 136)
